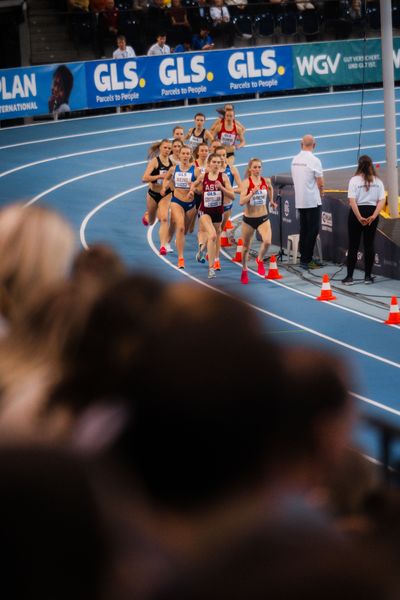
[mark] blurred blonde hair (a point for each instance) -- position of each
(36, 250)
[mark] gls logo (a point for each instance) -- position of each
(106, 77)
(243, 65)
(172, 70)
(322, 64)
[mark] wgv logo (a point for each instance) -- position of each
(106, 77)
(242, 65)
(321, 64)
(172, 70)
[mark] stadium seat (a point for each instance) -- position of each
(244, 26)
(373, 15)
(310, 23)
(288, 23)
(264, 25)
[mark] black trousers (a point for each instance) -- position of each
(310, 219)
(356, 230)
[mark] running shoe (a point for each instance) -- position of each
(211, 273)
(144, 220)
(244, 278)
(163, 251)
(369, 279)
(168, 248)
(347, 281)
(201, 254)
(260, 267)
(181, 263)
(217, 265)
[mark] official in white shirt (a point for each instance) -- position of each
(367, 197)
(123, 51)
(160, 47)
(308, 188)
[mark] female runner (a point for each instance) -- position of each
(229, 133)
(157, 203)
(255, 192)
(216, 189)
(181, 176)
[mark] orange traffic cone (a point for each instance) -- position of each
(326, 292)
(394, 314)
(273, 272)
(229, 225)
(225, 243)
(239, 250)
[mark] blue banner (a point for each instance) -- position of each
(146, 79)
(97, 84)
(188, 75)
(39, 90)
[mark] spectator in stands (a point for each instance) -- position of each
(157, 18)
(123, 51)
(160, 47)
(236, 7)
(79, 4)
(107, 27)
(302, 5)
(186, 46)
(222, 27)
(199, 15)
(61, 88)
(180, 27)
(203, 39)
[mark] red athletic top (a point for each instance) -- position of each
(260, 197)
(212, 201)
(227, 137)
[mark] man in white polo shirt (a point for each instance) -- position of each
(160, 47)
(308, 189)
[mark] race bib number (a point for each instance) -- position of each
(212, 199)
(161, 180)
(183, 180)
(259, 198)
(228, 139)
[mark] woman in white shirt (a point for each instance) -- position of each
(366, 196)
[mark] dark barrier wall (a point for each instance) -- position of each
(333, 232)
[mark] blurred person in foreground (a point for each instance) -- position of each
(37, 246)
(202, 464)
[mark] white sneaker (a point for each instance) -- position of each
(211, 273)
(168, 248)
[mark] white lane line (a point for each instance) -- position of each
(165, 123)
(147, 143)
(73, 179)
(99, 207)
(377, 404)
(72, 155)
(301, 293)
(53, 123)
(284, 319)
(189, 276)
